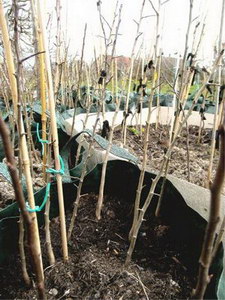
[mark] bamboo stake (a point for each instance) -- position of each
(54, 132)
(30, 193)
(9, 58)
(29, 218)
(24, 155)
(50, 252)
(42, 81)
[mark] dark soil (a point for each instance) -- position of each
(97, 253)
(98, 250)
(199, 153)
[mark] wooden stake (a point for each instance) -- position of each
(9, 58)
(33, 233)
(54, 131)
(42, 81)
(29, 218)
(51, 256)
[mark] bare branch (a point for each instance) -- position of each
(32, 55)
(153, 7)
(164, 2)
(137, 37)
(104, 19)
(196, 18)
(149, 16)
(136, 22)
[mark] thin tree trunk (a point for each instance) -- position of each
(214, 217)
(136, 224)
(216, 116)
(54, 133)
(26, 276)
(29, 218)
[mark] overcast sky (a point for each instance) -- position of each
(174, 18)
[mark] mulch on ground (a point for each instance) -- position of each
(98, 250)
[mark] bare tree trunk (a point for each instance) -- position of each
(81, 180)
(105, 161)
(214, 217)
(139, 219)
(216, 116)
(26, 276)
(28, 218)
(124, 130)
